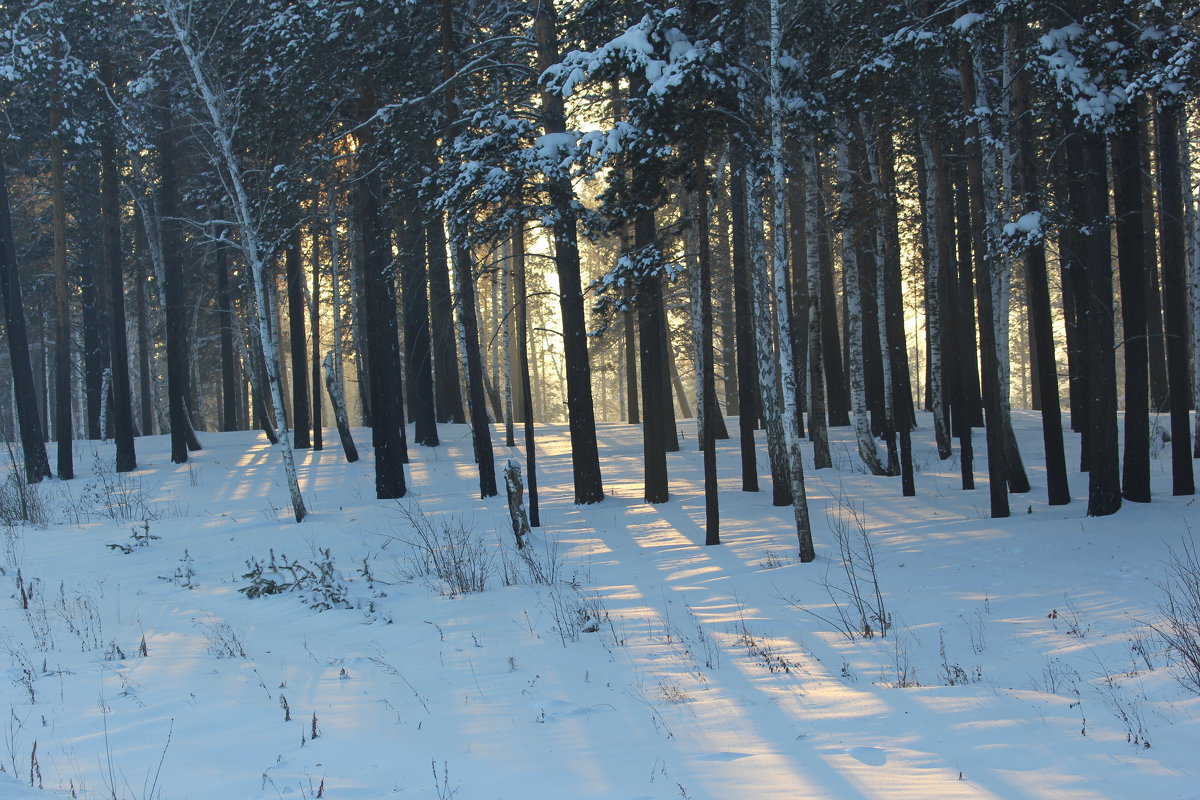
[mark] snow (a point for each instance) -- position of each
(966, 22)
(1017, 664)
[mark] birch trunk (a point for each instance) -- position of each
(787, 360)
(334, 387)
(760, 299)
(818, 429)
(249, 242)
(997, 161)
(933, 300)
(854, 319)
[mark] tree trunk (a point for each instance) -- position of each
(903, 413)
(294, 275)
(777, 447)
(33, 447)
(854, 319)
(585, 457)
(417, 346)
(62, 321)
(465, 292)
(314, 326)
(110, 236)
(707, 401)
(174, 294)
(1127, 197)
(448, 397)
(1037, 280)
(934, 182)
(747, 355)
(521, 291)
(334, 387)
(230, 415)
(790, 394)
(248, 235)
(1170, 189)
(984, 278)
(818, 429)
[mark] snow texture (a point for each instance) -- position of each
(1018, 664)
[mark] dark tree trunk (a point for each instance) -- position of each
(33, 446)
(997, 457)
(481, 429)
(708, 384)
(1174, 267)
(723, 269)
(585, 456)
(1037, 284)
(63, 433)
(314, 325)
(629, 346)
(230, 416)
(1155, 342)
(110, 237)
(649, 303)
(1127, 196)
(904, 415)
(481, 432)
(521, 292)
(96, 342)
(175, 296)
(836, 388)
(417, 349)
(294, 275)
(383, 342)
(747, 349)
(141, 287)
(448, 397)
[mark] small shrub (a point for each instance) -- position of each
(317, 582)
(21, 501)
(224, 641)
(1179, 615)
(139, 537)
(457, 558)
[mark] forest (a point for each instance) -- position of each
(221, 216)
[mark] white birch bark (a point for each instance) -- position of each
(247, 238)
(867, 449)
(933, 300)
(760, 292)
(691, 257)
(998, 261)
(787, 372)
(817, 421)
(998, 159)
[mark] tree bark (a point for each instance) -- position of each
(521, 291)
(1037, 279)
(110, 238)
(33, 447)
(417, 346)
(747, 354)
(585, 456)
(63, 433)
(294, 276)
(1170, 189)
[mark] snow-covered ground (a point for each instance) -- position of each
(1018, 662)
